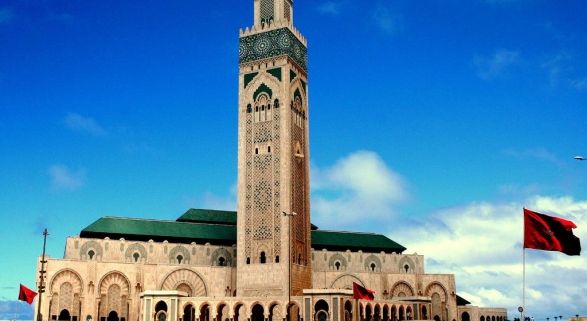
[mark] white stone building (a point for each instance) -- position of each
(267, 263)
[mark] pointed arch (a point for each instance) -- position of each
(188, 277)
(401, 288)
(345, 281)
(114, 277)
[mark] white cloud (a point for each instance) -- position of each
(357, 188)
(557, 67)
(385, 19)
(83, 124)
(332, 8)
(6, 15)
(481, 244)
(63, 178)
(214, 201)
(15, 310)
(491, 67)
(534, 154)
(579, 84)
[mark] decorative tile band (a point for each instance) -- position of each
(273, 43)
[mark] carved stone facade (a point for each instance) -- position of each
(261, 265)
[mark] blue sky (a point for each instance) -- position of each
(433, 122)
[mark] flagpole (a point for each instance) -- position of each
(523, 266)
(41, 287)
(523, 283)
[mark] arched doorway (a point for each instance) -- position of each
(368, 313)
(409, 314)
(377, 313)
(348, 311)
(239, 309)
(205, 312)
(293, 312)
(64, 315)
(465, 316)
(393, 313)
(258, 313)
(321, 308)
(436, 318)
(112, 316)
(401, 313)
(424, 313)
(221, 312)
(189, 313)
(275, 312)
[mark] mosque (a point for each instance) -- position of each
(266, 261)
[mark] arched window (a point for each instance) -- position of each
(262, 258)
(179, 259)
(256, 151)
(277, 259)
(406, 268)
(299, 259)
(221, 261)
(337, 265)
(373, 266)
(268, 149)
(248, 260)
(136, 256)
(91, 254)
(262, 113)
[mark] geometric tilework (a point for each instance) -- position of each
(272, 44)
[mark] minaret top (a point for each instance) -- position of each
(273, 11)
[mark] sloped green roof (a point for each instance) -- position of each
(144, 230)
(342, 241)
(197, 215)
(462, 301)
(197, 228)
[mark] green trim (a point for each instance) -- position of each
(366, 242)
(276, 72)
(249, 78)
(196, 215)
(262, 89)
(219, 228)
(144, 230)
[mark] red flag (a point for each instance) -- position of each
(543, 232)
(26, 294)
(360, 292)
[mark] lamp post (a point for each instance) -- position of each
(42, 275)
(289, 216)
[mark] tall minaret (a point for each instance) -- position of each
(273, 159)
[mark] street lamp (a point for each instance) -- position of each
(289, 215)
(580, 158)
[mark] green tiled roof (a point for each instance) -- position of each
(196, 215)
(342, 241)
(144, 230)
(197, 226)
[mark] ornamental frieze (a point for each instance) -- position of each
(273, 43)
